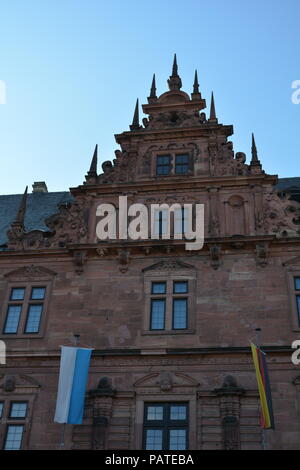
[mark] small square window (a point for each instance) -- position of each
(154, 439)
(180, 287)
(158, 287)
(17, 293)
(178, 412)
(14, 436)
(297, 283)
(38, 293)
(18, 410)
(177, 439)
(155, 413)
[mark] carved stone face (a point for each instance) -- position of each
(10, 384)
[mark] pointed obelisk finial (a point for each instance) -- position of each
(174, 81)
(16, 231)
(22, 209)
(92, 173)
(152, 98)
(196, 95)
(91, 176)
(254, 150)
(255, 164)
(175, 67)
(212, 115)
(136, 120)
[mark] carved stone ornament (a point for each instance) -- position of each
(31, 272)
(102, 251)
(281, 215)
(262, 254)
(215, 256)
(123, 260)
(79, 259)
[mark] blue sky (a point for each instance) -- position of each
(73, 71)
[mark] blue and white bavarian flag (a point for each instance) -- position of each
(73, 374)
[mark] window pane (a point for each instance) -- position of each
(180, 287)
(13, 439)
(178, 412)
(33, 318)
(17, 293)
(179, 313)
(181, 164)
(157, 314)
(177, 439)
(297, 283)
(161, 222)
(158, 287)
(154, 439)
(298, 306)
(155, 413)
(1, 409)
(163, 165)
(18, 410)
(38, 293)
(12, 319)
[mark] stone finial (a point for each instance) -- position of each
(212, 115)
(136, 120)
(255, 164)
(174, 81)
(152, 98)
(196, 95)
(91, 176)
(20, 218)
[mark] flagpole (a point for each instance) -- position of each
(263, 441)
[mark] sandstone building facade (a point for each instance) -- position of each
(170, 327)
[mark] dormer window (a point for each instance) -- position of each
(163, 165)
(172, 164)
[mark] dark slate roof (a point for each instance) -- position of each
(39, 207)
(285, 184)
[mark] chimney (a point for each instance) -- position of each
(39, 187)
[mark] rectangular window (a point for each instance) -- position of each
(18, 410)
(161, 221)
(13, 440)
(158, 287)
(181, 164)
(163, 165)
(33, 318)
(17, 293)
(24, 310)
(38, 293)
(179, 314)
(1, 408)
(12, 318)
(166, 426)
(298, 306)
(180, 287)
(158, 308)
(297, 283)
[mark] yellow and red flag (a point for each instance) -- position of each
(263, 382)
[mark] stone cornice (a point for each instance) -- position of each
(175, 183)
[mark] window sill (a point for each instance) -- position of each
(168, 332)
